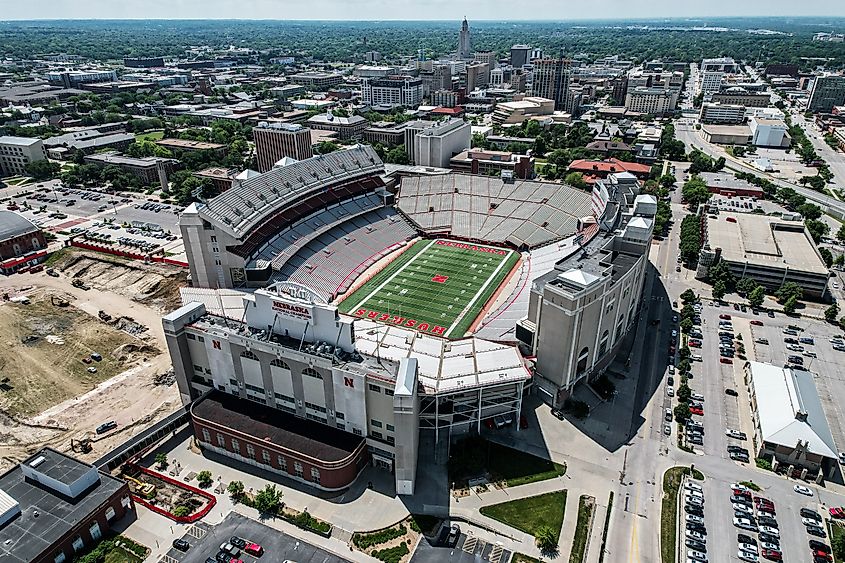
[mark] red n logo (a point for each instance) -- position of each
(348, 382)
(215, 344)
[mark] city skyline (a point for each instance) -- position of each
(537, 10)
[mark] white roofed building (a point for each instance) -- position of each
(789, 422)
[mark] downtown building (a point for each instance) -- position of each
(828, 91)
(392, 92)
(551, 80)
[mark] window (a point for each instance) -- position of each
(78, 544)
(375, 388)
(206, 437)
(389, 427)
(233, 382)
(221, 440)
(603, 345)
(583, 356)
(254, 388)
(248, 355)
(388, 392)
(315, 474)
(317, 408)
(357, 432)
(213, 239)
(198, 368)
(110, 514)
(375, 423)
(280, 364)
(218, 263)
(341, 425)
(340, 416)
(126, 501)
(236, 446)
(250, 451)
(95, 532)
(297, 469)
(283, 463)
(191, 336)
(60, 558)
(377, 435)
(391, 440)
(312, 373)
(265, 455)
(200, 338)
(285, 398)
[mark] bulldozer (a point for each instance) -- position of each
(82, 446)
(58, 301)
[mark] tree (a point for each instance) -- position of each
(837, 543)
(686, 325)
(790, 305)
(235, 490)
(576, 180)
(719, 290)
(545, 539)
(684, 366)
(479, 140)
(684, 393)
(204, 479)
(688, 296)
(840, 234)
(756, 297)
(831, 313)
(43, 169)
(268, 500)
(839, 260)
(827, 256)
(818, 229)
(682, 412)
(667, 181)
(325, 147)
(745, 286)
(397, 155)
(695, 191)
(788, 290)
(685, 353)
(161, 460)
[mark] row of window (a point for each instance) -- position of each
(377, 389)
(194, 337)
(266, 458)
(378, 424)
(93, 530)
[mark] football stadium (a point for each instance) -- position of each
(398, 307)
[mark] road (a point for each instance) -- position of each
(834, 158)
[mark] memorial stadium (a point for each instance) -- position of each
(396, 305)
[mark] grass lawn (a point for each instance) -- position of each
(475, 456)
(606, 526)
(586, 506)
(668, 513)
(150, 136)
(118, 555)
(835, 531)
(434, 287)
(532, 513)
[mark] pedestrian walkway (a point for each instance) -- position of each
(594, 547)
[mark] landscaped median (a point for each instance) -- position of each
(836, 533)
(669, 510)
(586, 508)
(395, 543)
(541, 516)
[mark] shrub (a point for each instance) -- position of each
(363, 541)
(763, 463)
(268, 500)
(545, 538)
(204, 479)
(392, 554)
(181, 511)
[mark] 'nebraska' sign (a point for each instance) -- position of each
(297, 311)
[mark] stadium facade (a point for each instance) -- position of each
(277, 376)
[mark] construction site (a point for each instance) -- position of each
(84, 350)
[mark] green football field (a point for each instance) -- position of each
(437, 286)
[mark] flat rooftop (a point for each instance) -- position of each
(277, 427)
(724, 181)
(764, 241)
(26, 536)
(195, 145)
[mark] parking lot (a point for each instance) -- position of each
(277, 545)
(731, 412)
(467, 549)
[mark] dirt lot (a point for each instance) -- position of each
(50, 396)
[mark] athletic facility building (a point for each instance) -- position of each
(336, 320)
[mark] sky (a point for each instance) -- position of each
(410, 9)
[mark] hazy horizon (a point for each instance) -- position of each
(406, 10)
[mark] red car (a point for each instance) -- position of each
(772, 555)
(523, 424)
(699, 412)
(818, 553)
(837, 512)
(757, 323)
(695, 343)
(254, 549)
(671, 349)
(726, 360)
(725, 317)
(741, 493)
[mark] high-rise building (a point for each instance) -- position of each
(17, 152)
(536, 53)
(519, 55)
(551, 80)
(392, 91)
(654, 101)
(464, 44)
(478, 76)
(275, 141)
(486, 57)
(438, 78)
(711, 81)
(828, 91)
(434, 146)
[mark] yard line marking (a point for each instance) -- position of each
(392, 276)
(479, 292)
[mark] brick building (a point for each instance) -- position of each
(21, 242)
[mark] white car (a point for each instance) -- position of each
(740, 487)
(696, 396)
(696, 535)
(689, 485)
(667, 429)
(674, 333)
(809, 521)
(745, 524)
(747, 556)
(695, 519)
(670, 392)
(734, 434)
(769, 545)
(739, 507)
(748, 547)
(697, 555)
(771, 531)
(802, 490)
(699, 501)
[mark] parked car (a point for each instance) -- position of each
(810, 513)
(731, 433)
(181, 544)
(802, 490)
(731, 392)
(817, 531)
(106, 426)
(756, 322)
